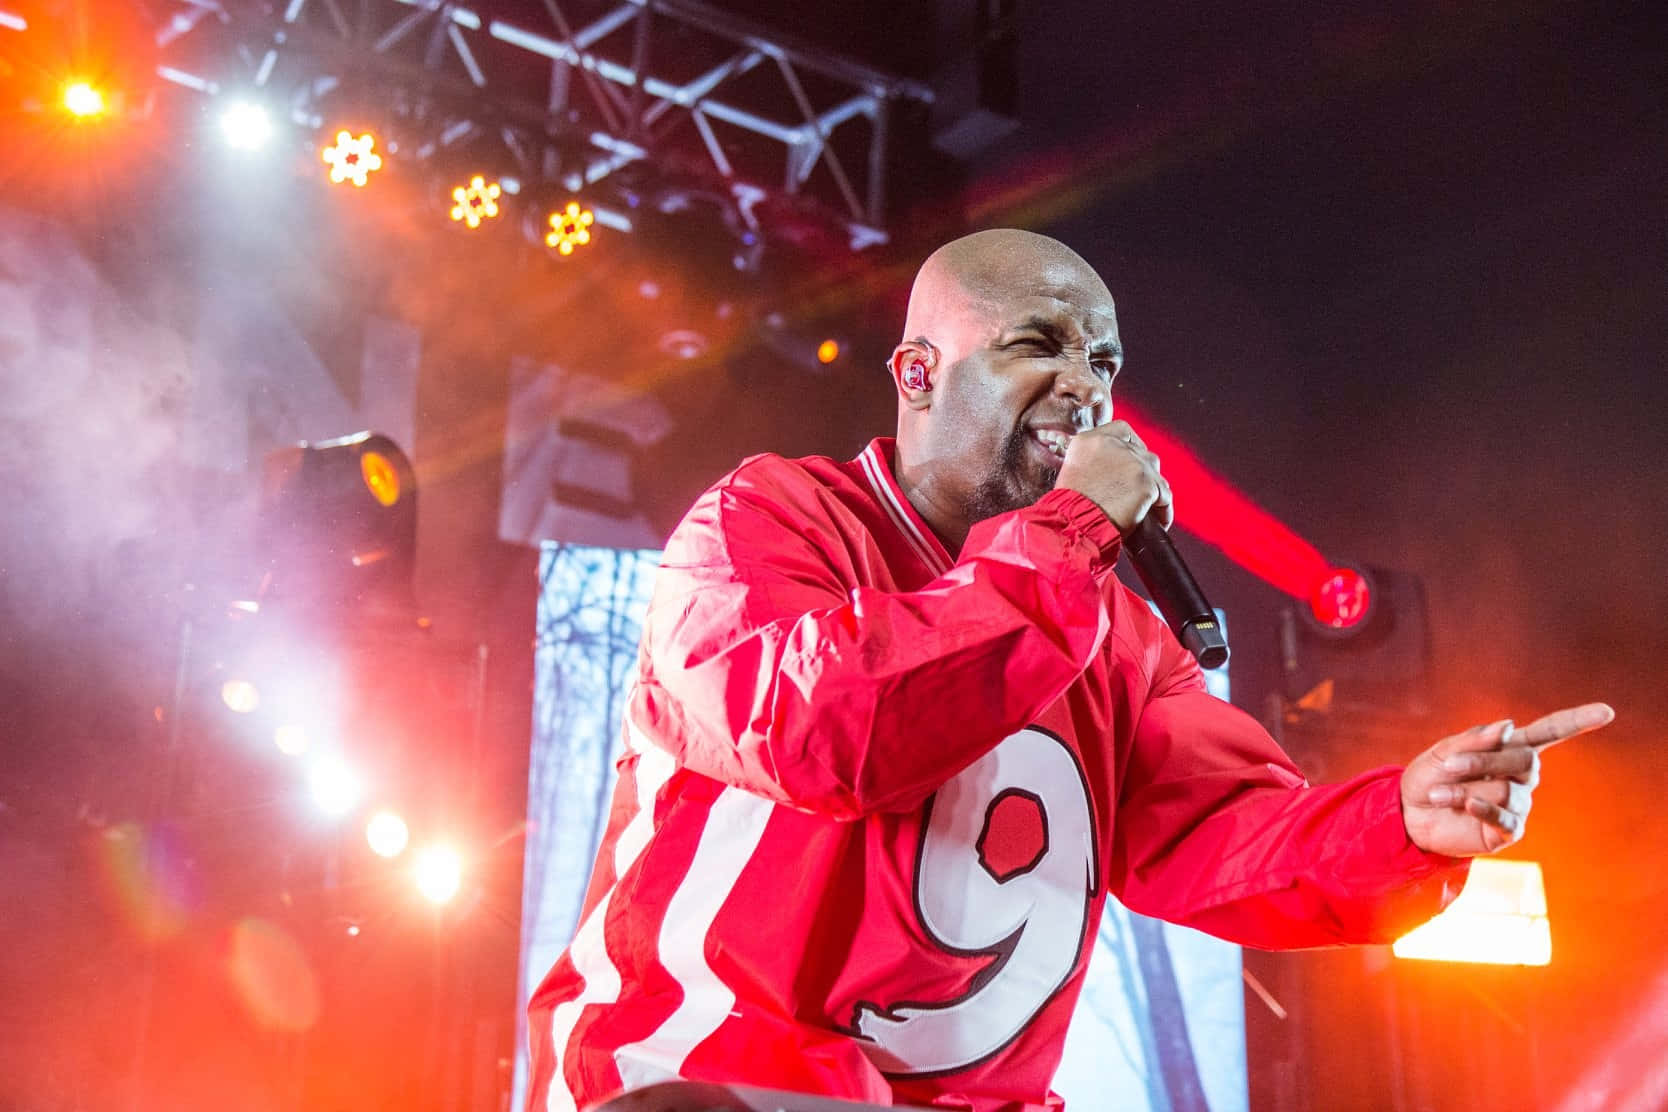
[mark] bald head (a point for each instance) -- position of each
(978, 273)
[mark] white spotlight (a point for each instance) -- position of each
(438, 871)
(387, 834)
(335, 786)
(245, 125)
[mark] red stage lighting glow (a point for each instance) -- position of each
(1212, 510)
(1342, 601)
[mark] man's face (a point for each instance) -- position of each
(1021, 374)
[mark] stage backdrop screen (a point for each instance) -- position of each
(1160, 1025)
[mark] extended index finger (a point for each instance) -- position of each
(1561, 724)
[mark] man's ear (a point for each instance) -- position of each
(914, 366)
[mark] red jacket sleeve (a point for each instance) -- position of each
(1218, 830)
(768, 669)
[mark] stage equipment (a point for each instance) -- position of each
(352, 159)
(594, 104)
(1343, 601)
(1499, 919)
(475, 201)
(1176, 593)
(828, 351)
(570, 227)
(1363, 644)
(338, 524)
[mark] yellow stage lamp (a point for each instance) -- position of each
(1499, 919)
(352, 159)
(828, 351)
(475, 202)
(570, 227)
(83, 100)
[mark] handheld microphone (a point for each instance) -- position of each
(1176, 592)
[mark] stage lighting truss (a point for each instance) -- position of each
(716, 88)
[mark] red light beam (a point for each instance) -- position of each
(1211, 509)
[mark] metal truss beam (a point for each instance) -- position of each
(660, 82)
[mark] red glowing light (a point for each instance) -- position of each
(1342, 599)
(1212, 510)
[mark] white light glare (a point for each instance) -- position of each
(438, 871)
(335, 786)
(245, 125)
(387, 834)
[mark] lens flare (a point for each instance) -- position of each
(291, 739)
(272, 977)
(146, 872)
(241, 696)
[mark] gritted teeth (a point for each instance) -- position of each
(1055, 440)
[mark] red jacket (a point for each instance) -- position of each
(873, 800)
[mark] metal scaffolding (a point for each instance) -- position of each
(670, 86)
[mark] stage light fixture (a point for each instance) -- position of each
(1499, 919)
(476, 201)
(245, 125)
(335, 787)
(292, 740)
(387, 834)
(352, 159)
(83, 100)
(1342, 601)
(438, 871)
(570, 227)
(338, 524)
(828, 351)
(240, 696)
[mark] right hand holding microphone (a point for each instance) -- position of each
(1111, 466)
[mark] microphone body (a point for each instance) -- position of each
(1187, 613)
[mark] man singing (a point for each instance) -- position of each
(898, 731)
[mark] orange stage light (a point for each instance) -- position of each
(476, 201)
(381, 477)
(82, 100)
(1500, 919)
(570, 227)
(352, 159)
(828, 351)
